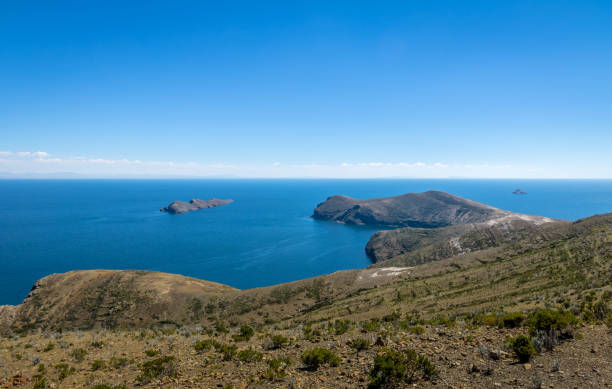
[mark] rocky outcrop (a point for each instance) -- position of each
(177, 207)
(430, 209)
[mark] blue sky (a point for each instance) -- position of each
(319, 89)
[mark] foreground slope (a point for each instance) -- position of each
(451, 311)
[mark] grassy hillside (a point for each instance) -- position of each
(463, 321)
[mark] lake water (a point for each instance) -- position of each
(265, 237)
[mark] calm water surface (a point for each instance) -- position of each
(264, 237)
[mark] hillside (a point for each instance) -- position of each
(456, 311)
(112, 298)
(423, 210)
(413, 246)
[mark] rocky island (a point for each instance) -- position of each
(519, 192)
(177, 207)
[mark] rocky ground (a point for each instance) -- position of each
(466, 357)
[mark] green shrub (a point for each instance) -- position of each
(392, 368)
(512, 320)
(249, 355)
(97, 344)
(338, 327)
(309, 332)
(203, 345)
(151, 353)
(442, 320)
(228, 350)
(157, 368)
(522, 347)
(49, 347)
(371, 325)
(246, 333)
(417, 330)
(319, 356)
(550, 320)
(391, 317)
(601, 310)
(276, 368)
(78, 354)
(107, 386)
(221, 328)
(41, 382)
(360, 344)
(278, 341)
(98, 365)
(41, 368)
(64, 370)
(117, 363)
(278, 363)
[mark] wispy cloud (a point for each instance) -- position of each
(44, 163)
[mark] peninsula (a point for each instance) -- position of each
(177, 207)
(429, 209)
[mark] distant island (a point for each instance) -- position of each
(519, 192)
(178, 207)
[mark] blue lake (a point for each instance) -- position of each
(265, 237)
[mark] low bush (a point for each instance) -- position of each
(360, 344)
(392, 368)
(547, 327)
(277, 341)
(203, 345)
(249, 355)
(316, 357)
(117, 363)
(370, 326)
(151, 353)
(309, 332)
(228, 350)
(49, 347)
(108, 386)
(338, 327)
(78, 354)
(245, 334)
(276, 368)
(512, 320)
(157, 368)
(98, 365)
(522, 347)
(41, 382)
(551, 320)
(64, 370)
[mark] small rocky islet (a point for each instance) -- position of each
(178, 207)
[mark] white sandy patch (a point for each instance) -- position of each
(389, 271)
(536, 220)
